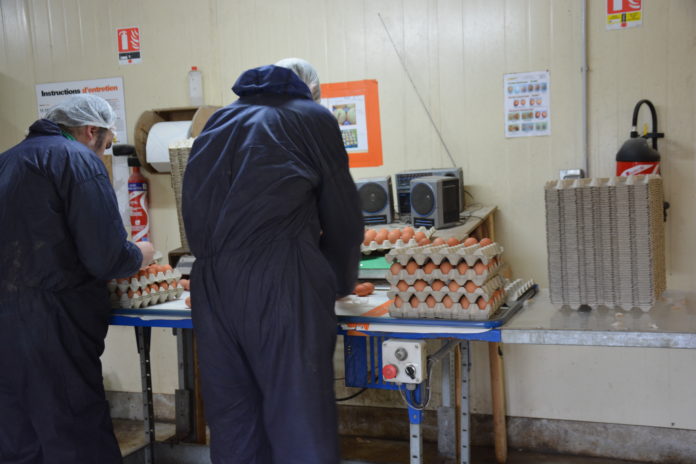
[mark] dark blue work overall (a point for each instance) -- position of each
(61, 238)
(273, 218)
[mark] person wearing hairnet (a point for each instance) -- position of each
(273, 217)
(61, 239)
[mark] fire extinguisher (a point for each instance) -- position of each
(138, 201)
(635, 156)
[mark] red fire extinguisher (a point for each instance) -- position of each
(635, 156)
(138, 187)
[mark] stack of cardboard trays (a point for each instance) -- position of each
(606, 241)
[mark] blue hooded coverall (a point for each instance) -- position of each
(273, 217)
(61, 238)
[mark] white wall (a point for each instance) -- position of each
(456, 53)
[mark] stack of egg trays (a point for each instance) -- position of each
(605, 240)
(135, 291)
(487, 283)
(387, 245)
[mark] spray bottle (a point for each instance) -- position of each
(138, 187)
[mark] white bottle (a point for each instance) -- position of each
(195, 83)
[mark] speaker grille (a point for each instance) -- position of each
(373, 197)
(422, 199)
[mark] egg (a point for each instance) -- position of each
(164, 286)
(429, 267)
(447, 301)
(470, 241)
(481, 302)
(402, 286)
(464, 302)
(394, 235)
(470, 287)
(445, 267)
(188, 301)
(453, 286)
(439, 241)
(364, 289)
(398, 302)
(437, 285)
(492, 263)
(485, 241)
(369, 287)
(479, 268)
(452, 241)
(154, 288)
(370, 235)
(412, 267)
(423, 241)
(130, 293)
(414, 301)
(430, 301)
(420, 285)
(395, 268)
(407, 233)
(381, 236)
(186, 284)
(462, 267)
(420, 235)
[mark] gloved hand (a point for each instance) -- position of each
(148, 252)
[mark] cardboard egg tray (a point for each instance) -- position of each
(143, 294)
(387, 245)
(486, 291)
(605, 241)
(515, 289)
(440, 311)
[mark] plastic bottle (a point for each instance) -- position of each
(138, 187)
(195, 83)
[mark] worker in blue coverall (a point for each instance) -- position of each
(273, 217)
(61, 239)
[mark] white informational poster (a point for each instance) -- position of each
(350, 113)
(622, 14)
(527, 104)
(111, 89)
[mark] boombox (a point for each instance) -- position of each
(435, 201)
(403, 185)
(377, 201)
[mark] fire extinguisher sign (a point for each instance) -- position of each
(622, 14)
(128, 40)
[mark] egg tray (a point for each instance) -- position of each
(486, 291)
(149, 299)
(387, 245)
(135, 283)
(454, 274)
(515, 289)
(437, 253)
(456, 312)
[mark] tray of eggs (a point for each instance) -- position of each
(150, 286)
(385, 239)
(447, 282)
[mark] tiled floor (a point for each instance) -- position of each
(354, 450)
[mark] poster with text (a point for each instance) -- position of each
(622, 14)
(110, 89)
(350, 114)
(527, 104)
(128, 40)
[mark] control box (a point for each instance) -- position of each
(404, 361)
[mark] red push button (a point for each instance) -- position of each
(389, 371)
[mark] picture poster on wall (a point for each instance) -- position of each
(356, 108)
(110, 89)
(527, 104)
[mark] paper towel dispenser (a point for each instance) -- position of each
(196, 117)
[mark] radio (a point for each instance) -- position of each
(403, 185)
(377, 201)
(435, 201)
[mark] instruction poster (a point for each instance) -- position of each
(350, 114)
(110, 89)
(527, 104)
(623, 14)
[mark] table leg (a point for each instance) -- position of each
(462, 390)
(142, 337)
(415, 417)
(495, 356)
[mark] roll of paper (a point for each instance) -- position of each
(160, 136)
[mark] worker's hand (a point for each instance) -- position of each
(148, 252)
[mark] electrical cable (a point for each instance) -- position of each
(362, 390)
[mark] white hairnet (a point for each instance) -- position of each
(83, 110)
(306, 72)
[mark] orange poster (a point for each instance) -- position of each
(356, 107)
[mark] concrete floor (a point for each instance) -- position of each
(355, 450)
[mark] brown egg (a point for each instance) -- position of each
(414, 301)
(370, 235)
(381, 236)
(464, 302)
(447, 301)
(420, 235)
(452, 241)
(402, 286)
(437, 285)
(423, 241)
(470, 286)
(130, 293)
(430, 301)
(395, 268)
(470, 241)
(154, 288)
(137, 293)
(429, 267)
(394, 235)
(439, 241)
(481, 302)
(186, 284)
(479, 267)
(445, 267)
(167, 267)
(485, 241)
(398, 302)
(188, 301)
(407, 233)
(369, 287)
(164, 286)
(462, 267)
(453, 286)
(420, 285)
(412, 267)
